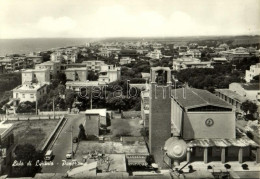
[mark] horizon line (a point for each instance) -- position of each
(112, 37)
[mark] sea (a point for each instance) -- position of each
(25, 46)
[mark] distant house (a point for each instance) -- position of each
(109, 73)
(76, 74)
(219, 60)
(239, 93)
(36, 76)
(53, 66)
(252, 72)
(188, 62)
(125, 60)
(94, 65)
(29, 91)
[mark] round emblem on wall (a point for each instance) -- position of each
(209, 122)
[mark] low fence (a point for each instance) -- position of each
(53, 113)
(130, 114)
(28, 118)
(53, 134)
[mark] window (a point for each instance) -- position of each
(23, 95)
(31, 95)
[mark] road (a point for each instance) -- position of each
(63, 144)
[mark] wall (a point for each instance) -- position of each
(176, 116)
(130, 114)
(92, 124)
(159, 121)
(195, 127)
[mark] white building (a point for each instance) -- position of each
(36, 75)
(156, 54)
(29, 92)
(188, 62)
(252, 72)
(125, 60)
(109, 73)
(239, 93)
(94, 65)
(77, 86)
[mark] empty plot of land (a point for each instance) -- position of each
(125, 127)
(33, 132)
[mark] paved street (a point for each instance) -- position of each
(63, 144)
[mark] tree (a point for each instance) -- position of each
(249, 107)
(26, 107)
(82, 134)
(61, 89)
(61, 78)
(27, 153)
(69, 97)
(92, 76)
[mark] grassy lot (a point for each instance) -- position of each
(33, 132)
(125, 127)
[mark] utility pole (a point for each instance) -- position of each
(91, 98)
(53, 108)
(72, 142)
(36, 108)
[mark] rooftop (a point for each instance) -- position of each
(231, 94)
(101, 112)
(77, 69)
(5, 128)
(28, 86)
(85, 83)
(250, 86)
(192, 97)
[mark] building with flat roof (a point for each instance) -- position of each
(53, 66)
(94, 65)
(78, 85)
(252, 72)
(239, 93)
(29, 91)
(189, 62)
(77, 74)
(36, 76)
(109, 73)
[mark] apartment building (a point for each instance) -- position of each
(94, 65)
(53, 66)
(36, 75)
(76, 74)
(109, 73)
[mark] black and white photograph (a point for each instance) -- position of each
(138, 89)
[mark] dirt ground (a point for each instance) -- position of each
(126, 127)
(33, 132)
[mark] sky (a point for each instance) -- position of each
(127, 18)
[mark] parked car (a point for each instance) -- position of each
(69, 155)
(48, 156)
